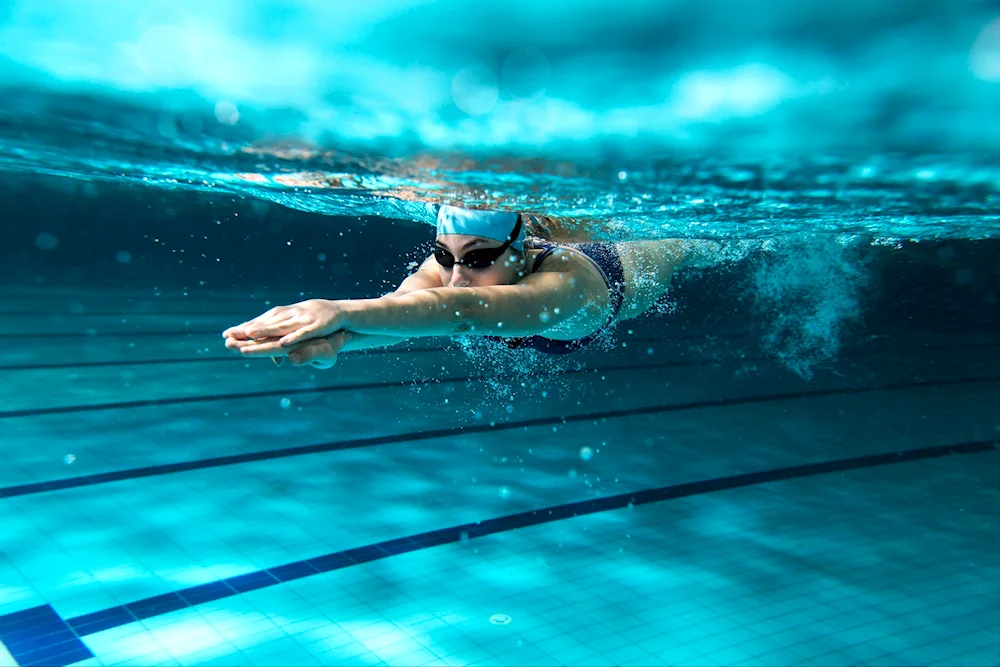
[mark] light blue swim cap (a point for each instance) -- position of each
(496, 225)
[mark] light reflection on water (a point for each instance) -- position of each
(626, 121)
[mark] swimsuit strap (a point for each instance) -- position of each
(547, 250)
(605, 257)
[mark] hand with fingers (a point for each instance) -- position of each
(303, 332)
(316, 352)
(314, 318)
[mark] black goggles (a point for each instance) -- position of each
(480, 258)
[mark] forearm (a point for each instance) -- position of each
(365, 341)
(438, 312)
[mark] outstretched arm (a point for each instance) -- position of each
(536, 304)
(425, 277)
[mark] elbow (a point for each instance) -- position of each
(470, 313)
(460, 315)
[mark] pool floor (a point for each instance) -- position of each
(681, 500)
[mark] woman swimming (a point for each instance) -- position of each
(482, 279)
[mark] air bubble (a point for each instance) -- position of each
(227, 113)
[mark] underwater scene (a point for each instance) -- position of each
(522, 333)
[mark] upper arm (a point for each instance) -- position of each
(546, 301)
(566, 300)
(427, 276)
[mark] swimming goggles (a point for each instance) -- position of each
(480, 258)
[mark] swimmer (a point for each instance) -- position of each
(484, 278)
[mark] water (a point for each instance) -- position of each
(791, 459)
(687, 119)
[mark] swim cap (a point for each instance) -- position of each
(496, 225)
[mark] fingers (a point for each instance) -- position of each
(238, 344)
(317, 352)
(256, 348)
(274, 328)
(300, 335)
(294, 332)
(247, 329)
(240, 331)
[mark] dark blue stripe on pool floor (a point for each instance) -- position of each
(193, 360)
(39, 636)
(357, 443)
(232, 357)
(397, 350)
(264, 393)
(39, 335)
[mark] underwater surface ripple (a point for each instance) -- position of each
(624, 121)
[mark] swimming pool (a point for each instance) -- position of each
(682, 498)
(792, 460)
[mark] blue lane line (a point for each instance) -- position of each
(38, 636)
(394, 350)
(264, 393)
(399, 350)
(229, 359)
(108, 334)
(414, 436)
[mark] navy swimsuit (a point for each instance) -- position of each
(606, 257)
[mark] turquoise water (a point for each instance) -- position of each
(792, 459)
(654, 119)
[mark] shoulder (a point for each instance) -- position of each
(567, 261)
(562, 259)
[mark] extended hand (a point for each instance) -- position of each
(317, 352)
(306, 320)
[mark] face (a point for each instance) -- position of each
(505, 270)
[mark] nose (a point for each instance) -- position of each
(460, 276)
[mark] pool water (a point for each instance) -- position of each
(793, 459)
